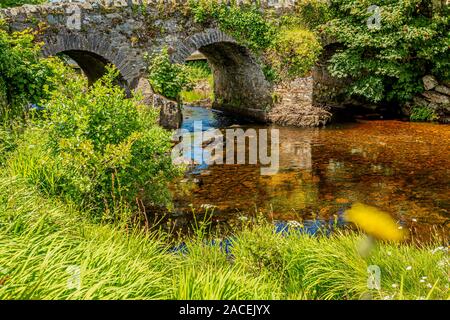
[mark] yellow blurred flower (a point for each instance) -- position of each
(374, 222)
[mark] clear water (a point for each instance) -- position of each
(399, 167)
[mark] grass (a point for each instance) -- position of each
(193, 96)
(42, 240)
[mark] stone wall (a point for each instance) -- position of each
(436, 97)
(294, 105)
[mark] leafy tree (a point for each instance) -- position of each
(294, 52)
(386, 63)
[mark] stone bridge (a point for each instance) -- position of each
(95, 33)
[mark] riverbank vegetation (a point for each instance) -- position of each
(387, 62)
(42, 239)
(79, 168)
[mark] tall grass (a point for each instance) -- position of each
(41, 239)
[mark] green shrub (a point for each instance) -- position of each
(422, 113)
(198, 70)
(296, 52)
(201, 82)
(387, 63)
(98, 149)
(25, 77)
(165, 77)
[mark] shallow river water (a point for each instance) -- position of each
(399, 167)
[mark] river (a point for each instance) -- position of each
(399, 167)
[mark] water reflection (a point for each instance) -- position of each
(402, 168)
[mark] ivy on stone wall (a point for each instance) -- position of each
(285, 44)
(245, 23)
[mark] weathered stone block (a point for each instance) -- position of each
(435, 97)
(429, 82)
(443, 89)
(170, 115)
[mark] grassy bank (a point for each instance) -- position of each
(41, 239)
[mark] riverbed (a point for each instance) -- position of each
(400, 167)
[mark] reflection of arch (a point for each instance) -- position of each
(92, 52)
(239, 83)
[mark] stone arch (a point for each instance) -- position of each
(240, 86)
(93, 51)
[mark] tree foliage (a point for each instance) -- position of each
(294, 52)
(165, 77)
(387, 63)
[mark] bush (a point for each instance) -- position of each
(198, 70)
(422, 113)
(296, 51)
(98, 149)
(25, 77)
(201, 82)
(165, 77)
(387, 63)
